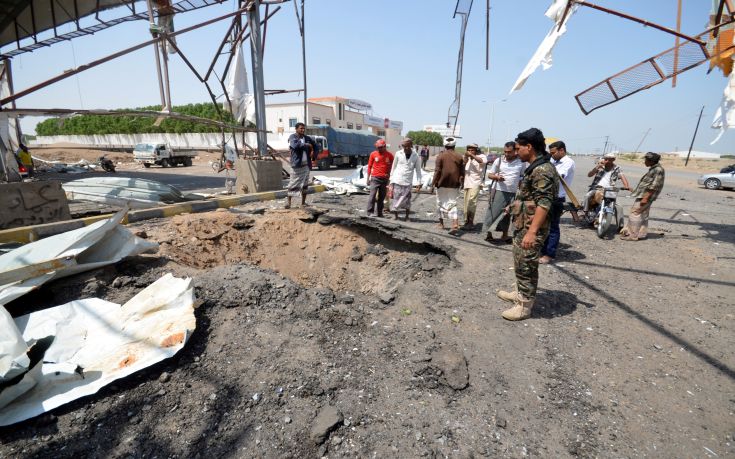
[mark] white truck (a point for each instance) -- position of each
(161, 155)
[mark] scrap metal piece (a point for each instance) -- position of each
(100, 244)
(646, 74)
(96, 342)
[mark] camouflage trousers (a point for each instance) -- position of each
(525, 262)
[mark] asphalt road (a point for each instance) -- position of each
(200, 178)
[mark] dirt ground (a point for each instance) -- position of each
(330, 334)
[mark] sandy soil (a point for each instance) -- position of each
(392, 344)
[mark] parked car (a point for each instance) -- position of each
(717, 180)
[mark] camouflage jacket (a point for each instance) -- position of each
(539, 186)
(652, 181)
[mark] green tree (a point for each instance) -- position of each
(432, 139)
(91, 124)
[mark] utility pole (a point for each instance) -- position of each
(691, 145)
(301, 20)
(604, 149)
(641, 142)
(256, 53)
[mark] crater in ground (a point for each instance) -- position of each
(351, 257)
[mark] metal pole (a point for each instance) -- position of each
(641, 142)
(604, 149)
(676, 45)
(487, 36)
(167, 82)
(256, 53)
(691, 145)
(303, 56)
(638, 20)
(155, 52)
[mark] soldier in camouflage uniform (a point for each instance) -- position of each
(530, 211)
(645, 193)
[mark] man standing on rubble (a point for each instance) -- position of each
(405, 165)
(378, 177)
(448, 178)
(303, 150)
(530, 211)
(565, 168)
(645, 193)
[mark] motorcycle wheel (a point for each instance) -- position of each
(603, 224)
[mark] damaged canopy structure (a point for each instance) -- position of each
(715, 45)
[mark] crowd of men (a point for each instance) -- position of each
(527, 194)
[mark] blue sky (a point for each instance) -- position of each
(400, 55)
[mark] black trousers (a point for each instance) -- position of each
(378, 191)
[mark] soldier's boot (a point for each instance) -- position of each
(521, 309)
(508, 296)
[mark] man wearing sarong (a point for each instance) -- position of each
(406, 163)
(505, 172)
(473, 170)
(448, 178)
(645, 193)
(303, 149)
(378, 177)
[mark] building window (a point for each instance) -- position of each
(315, 120)
(329, 122)
(381, 133)
(292, 122)
(350, 126)
(359, 127)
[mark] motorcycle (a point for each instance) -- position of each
(606, 215)
(106, 164)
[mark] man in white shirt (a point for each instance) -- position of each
(406, 163)
(565, 168)
(473, 168)
(505, 173)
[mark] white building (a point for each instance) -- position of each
(695, 154)
(337, 112)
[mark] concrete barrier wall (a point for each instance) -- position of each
(202, 141)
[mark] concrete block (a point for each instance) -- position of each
(256, 175)
(32, 203)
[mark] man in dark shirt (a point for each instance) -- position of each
(448, 179)
(303, 149)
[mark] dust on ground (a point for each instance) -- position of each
(628, 352)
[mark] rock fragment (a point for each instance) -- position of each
(328, 418)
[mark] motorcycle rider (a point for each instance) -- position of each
(606, 174)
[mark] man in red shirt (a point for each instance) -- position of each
(378, 176)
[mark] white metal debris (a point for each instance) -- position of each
(96, 342)
(122, 191)
(102, 243)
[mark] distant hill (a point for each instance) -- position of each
(92, 125)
